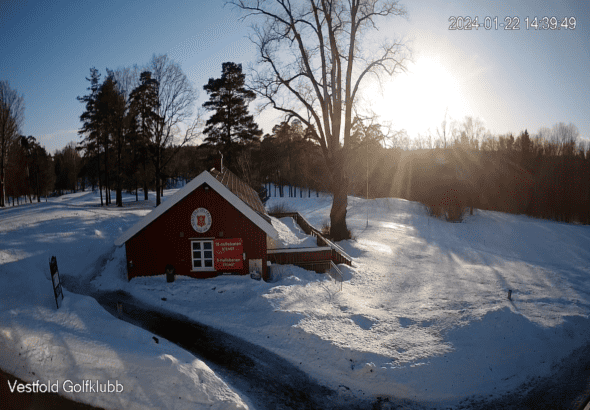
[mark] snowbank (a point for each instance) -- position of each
(290, 235)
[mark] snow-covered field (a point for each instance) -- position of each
(81, 341)
(423, 314)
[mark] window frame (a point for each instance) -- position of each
(202, 258)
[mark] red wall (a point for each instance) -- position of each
(160, 244)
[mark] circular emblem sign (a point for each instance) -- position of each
(201, 220)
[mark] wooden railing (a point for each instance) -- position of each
(338, 254)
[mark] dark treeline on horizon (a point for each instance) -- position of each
(544, 176)
(547, 176)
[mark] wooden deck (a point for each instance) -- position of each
(316, 259)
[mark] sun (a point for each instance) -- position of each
(418, 99)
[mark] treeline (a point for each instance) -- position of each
(546, 175)
(29, 170)
(134, 123)
(26, 169)
(12, 111)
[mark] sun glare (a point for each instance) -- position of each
(417, 100)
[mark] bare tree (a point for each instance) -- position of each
(582, 148)
(176, 97)
(566, 138)
(127, 78)
(473, 130)
(12, 113)
(312, 68)
(444, 131)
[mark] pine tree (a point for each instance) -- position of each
(115, 105)
(230, 122)
(91, 128)
(144, 101)
(107, 117)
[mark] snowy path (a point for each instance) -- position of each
(268, 380)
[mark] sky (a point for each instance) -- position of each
(511, 80)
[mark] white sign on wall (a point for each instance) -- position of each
(201, 220)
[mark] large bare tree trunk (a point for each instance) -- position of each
(338, 227)
(313, 54)
(339, 188)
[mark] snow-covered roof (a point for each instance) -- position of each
(203, 178)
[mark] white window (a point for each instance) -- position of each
(202, 255)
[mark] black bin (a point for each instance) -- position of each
(170, 272)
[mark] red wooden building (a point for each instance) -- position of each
(215, 224)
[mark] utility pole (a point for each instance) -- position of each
(367, 153)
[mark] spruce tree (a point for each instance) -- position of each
(144, 103)
(112, 109)
(91, 127)
(230, 122)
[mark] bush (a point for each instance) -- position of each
(451, 213)
(279, 208)
(455, 213)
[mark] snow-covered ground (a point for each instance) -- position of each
(81, 341)
(423, 314)
(290, 235)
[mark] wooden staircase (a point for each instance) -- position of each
(318, 259)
